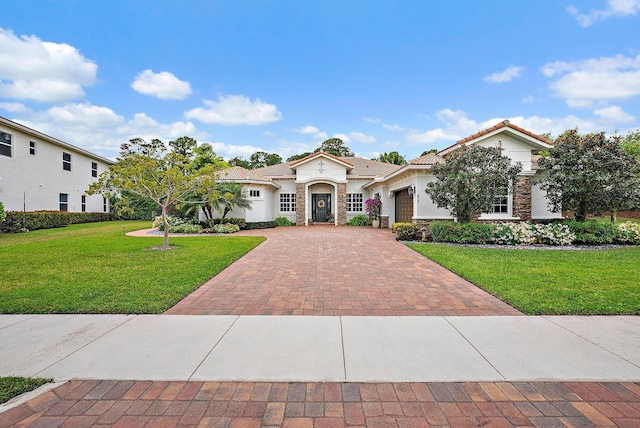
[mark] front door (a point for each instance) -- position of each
(404, 206)
(321, 206)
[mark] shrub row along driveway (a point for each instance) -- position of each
(326, 270)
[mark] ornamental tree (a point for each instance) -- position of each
(146, 169)
(470, 179)
(335, 147)
(590, 173)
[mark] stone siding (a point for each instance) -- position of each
(300, 204)
(522, 198)
(341, 206)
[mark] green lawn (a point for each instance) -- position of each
(13, 386)
(95, 268)
(549, 281)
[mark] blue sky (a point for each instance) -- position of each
(282, 76)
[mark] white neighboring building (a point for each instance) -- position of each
(325, 188)
(39, 172)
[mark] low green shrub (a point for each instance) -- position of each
(283, 221)
(359, 220)
(592, 232)
(225, 228)
(186, 228)
(261, 225)
(17, 221)
(406, 231)
(3, 214)
(238, 221)
(461, 233)
(628, 233)
(552, 234)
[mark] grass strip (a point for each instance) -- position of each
(12, 386)
(95, 268)
(537, 282)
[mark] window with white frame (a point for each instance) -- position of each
(105, 204)
(66, 161)
(500, 201)
(64, 202)
(32, 148)
(94, 169)
(254, 193)
(5, 144)
(354, 202)
(83, 205)
(287, 202)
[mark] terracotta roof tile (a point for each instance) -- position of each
(497, 126)
(237, 173)
(429, 159)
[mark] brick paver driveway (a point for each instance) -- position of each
(327, 270)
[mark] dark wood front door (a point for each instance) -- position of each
(321, 206)
(404, 206)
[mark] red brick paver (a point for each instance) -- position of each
(248, 404)
(326, 270)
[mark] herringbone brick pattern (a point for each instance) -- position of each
(326, 270)
(319, 405)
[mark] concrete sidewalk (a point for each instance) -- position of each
(320, 349)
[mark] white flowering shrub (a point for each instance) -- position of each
(513, 234)
(226, 228)
(553, 234)
(177, 225)
(629, 233)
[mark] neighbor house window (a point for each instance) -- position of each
(254, 193)
(66, 161)
(32, 148)
(105, 205)
(501, 201)
(94, 169)
(5, 144)
(64, 202)
(354, 202)
(84, 203)
(287, 202)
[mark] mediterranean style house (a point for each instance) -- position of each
(323, 188)
(39, 172)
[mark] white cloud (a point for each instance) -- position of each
(14, 107)
(85, 115)
(344, 137)
(528, 99)
(163, 85)
(614, 114)
(235, 110)
(617, 8)
(393, 128)
(229, 151)
(307, 130)
(362, 138)
(595, 80)
(507, 75)
(31, 69)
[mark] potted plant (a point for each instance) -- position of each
(373, 207)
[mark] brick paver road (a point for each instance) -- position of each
(320, 405)
(326, 270)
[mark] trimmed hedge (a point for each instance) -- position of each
(238, 221)
(35, 220)
(405, 231)
(462, 233)
(261, 225)
(593, 232)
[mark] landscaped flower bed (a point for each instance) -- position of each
(526, 233)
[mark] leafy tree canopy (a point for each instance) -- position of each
(204, 155)
(298, 157)
(149, 170)
(631, 143)
(262, 159)
(238, 161)
(589, 174)
(335, 147)
(394, 158)
(428, 152)
(470, 179)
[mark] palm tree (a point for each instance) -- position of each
(394, 158)
(229, 195)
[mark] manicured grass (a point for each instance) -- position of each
(549, 281)
(13, 386)
(95, 268)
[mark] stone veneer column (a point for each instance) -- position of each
(522, 197)
(341, 207)
(301, 197)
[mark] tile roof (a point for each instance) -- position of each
(361, 168)
(429, 159)
(314, 155)
(237, 173)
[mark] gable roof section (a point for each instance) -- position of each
(430, 159)
(503, 126)
(360, 168)
(246, 176)
(37, 134)
(293, 165)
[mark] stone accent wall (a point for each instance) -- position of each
(300, 204)
(384, 222)
(341, 205)
(522, 197)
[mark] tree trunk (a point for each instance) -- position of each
(165, 208)
(613, 216)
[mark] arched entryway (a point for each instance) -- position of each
(322, 202)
